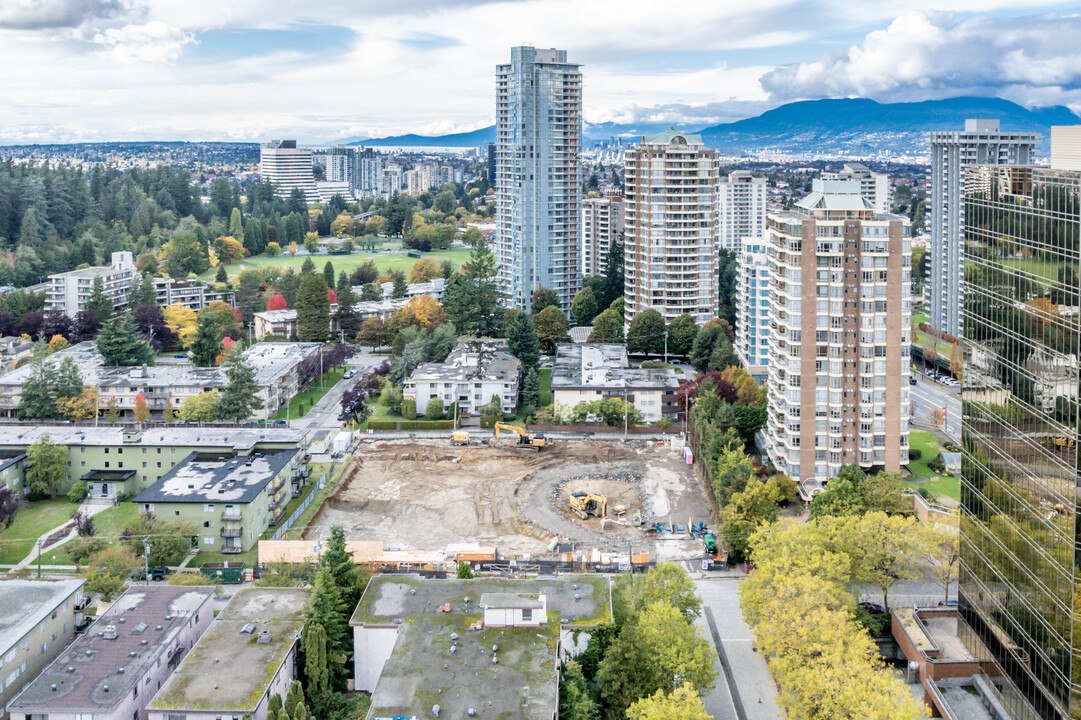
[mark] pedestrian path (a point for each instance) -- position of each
(87, 507)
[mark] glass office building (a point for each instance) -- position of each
(1020, 386)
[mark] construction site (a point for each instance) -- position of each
(638, 496)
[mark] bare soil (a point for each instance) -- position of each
(427, 494)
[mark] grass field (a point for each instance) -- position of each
(311, 396)
(546, 386)
(938, 485)
(1039, 268)
(32, 521)
(385, 261)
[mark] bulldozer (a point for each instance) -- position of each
(585, 504)
(526, 440)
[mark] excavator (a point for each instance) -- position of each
(526, 440)
(585, 504)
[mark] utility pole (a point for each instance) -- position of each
(624, 413)
(39, 559)
(146, 560)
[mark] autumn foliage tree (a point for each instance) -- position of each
(142, 409)
(277, 302)
(422, 311)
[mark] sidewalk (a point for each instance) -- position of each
(89, 508)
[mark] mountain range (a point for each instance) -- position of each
(841, 126)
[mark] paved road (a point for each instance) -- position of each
(927, 396)
(324, 415)
(753, 691)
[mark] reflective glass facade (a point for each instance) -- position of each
(1020, 465)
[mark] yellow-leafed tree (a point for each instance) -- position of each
(683, 703)
(181, 320)
(424, 311)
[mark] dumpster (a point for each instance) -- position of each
(226, 572)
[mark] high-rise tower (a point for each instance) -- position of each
(538, 175)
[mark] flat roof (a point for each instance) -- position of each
(240, 439)
(505, 600)
(25, 603)
(229, 669)
(198, 478)
(605, 365)
(472, 359)
(423, 671)
(104, 671)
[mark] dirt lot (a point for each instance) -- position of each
(422, 494)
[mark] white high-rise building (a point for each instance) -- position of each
(840, 335)
(670, 254)
(339, 164)
(741, 209)
(392, 180)
(752, 308)
(538, 175)
(602, 222)
(287, 166)
(981, 142)
(368, 172)
(874, 186)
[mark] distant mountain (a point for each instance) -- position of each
(465, 139)
(862, 126)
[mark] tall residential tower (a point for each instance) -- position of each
(602, 222)
(538, 175)
(981, 142)
(670, 255)
(741, 211)
(840, 314)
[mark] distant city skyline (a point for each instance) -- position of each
(97, 70)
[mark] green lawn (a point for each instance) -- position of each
(385, 261)
(1039, 268)
(33, 520)
(941, 485)
(311, 396)
(546, 386)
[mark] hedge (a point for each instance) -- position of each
(382, 425)
(410, 424)
(488, 421)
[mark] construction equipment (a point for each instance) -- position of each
(711, 544)
(585, 504)
(526, 440)
(460, 438)
(620, 511)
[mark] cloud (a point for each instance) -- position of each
(926, 55)
(154, 43)
(49, 14)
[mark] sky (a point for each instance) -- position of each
(325, 70)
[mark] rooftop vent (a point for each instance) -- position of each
(264, 638)
(89, 653)
(110, 632)
(142, 642)
(139, 628)
(157, 627)
(248, 629)
(123, 620)
(120, 670)
(71, 668)
(105, 688)
(54, 687)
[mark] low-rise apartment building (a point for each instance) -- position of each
(248, 654)
(112, 671)
(38, 619)
(116, 462)
(69, 291)
(584, 372)
(230, 498)
(275, 365)
(14, 352)
(473, 373)
(192, 294)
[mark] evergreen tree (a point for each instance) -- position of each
(328, 274)
(474, 297)
(613, 274)
(206, 345)
(348, 320)
(722, 356)
(522, 340)
(702, 347)
(120, 344)
(314, 641)
(340, 563)
(313, 308)
(294, 698)
(530, 391)
(145, 295)
(236, 224)
(326, 610)
(401, 288)
(98, 302)
(240, 397)
(274, 704)
(68, 382)
(29, 236)
(308, 266)
(38, 399)
(222, 276)
(249, 294)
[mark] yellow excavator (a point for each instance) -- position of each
(526, 440)
(585, 504)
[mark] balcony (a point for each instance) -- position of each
(231, 532)
(235, 515)
(232, 549)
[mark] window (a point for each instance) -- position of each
(527, 615)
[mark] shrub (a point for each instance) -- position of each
(78, 492)
(409, 409)
(952, 447)
(382, 425)
(434, 410)
(914, 454)
(488, 421)
(664, 423)
(937, 464)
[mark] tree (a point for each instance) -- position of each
(613, 274)
(373, 332)
(465, 571)
(150, 323)
(574, 700)
(249, 294)
(10, 502)
(120, 345)
(646, 334)
(424, 270)
(474, 297)
(659, 650)
(97, 301)
(434, 409)
(185, 254)
(313, 640)
(723, 355)
(348, 320)
(38, 399)
(199, 408)
(142, 410)
(206, 344)
(853, 492)
(169, 542)
(744, 512)
(683, 703)
(236, 223)
(144, 294)
(551, 327)
(109, 570)
(277, 302)
(702, 347)
(229, 250)
(79, 407)
(313, 309)
(326, 611)
(328, 274)
(240, 398)
(222, 276)
(181, 320)
(942, 554)
(57, 343)
(666, 583)
(682, 332)
(370, 292)
(522, 340)
(607, 327)
(400, 289)
(46, 468)
(422, 311)
(542, 298)
(584, 307)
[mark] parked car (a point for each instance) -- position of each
(912, 380)
(181, 356)
(349, 374)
